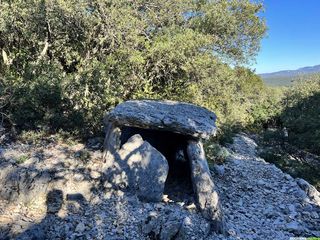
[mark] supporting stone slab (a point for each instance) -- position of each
(205, 192)
(183, 118)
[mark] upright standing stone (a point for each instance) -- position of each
(206, 195)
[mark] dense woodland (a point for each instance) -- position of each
(64, 64)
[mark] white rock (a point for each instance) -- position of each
(261, 182)
(183, 118)
(315, 215)
(219, 169)
(80, 227)
(146, 168)
(294, 227)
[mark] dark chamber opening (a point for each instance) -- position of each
(173, 146)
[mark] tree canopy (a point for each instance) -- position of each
(68, 62)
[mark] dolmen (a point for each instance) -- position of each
(146, 138)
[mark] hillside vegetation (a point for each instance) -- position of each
(284, 81)
(301, 114)
(296, 108)
(64, 64)
(289, 77)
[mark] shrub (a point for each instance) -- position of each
(68, 62)
(302, 114)
(215, 152)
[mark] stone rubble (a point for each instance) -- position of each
(258, 200)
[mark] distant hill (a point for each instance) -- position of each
(287, 77)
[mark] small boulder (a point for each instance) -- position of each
(170, 228)
(146, 168)
(219, 170)
(295, 228)
(310, 190)
(80, 227)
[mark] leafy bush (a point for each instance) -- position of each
(274, 135)
(266, 111)
(5, 95)
(215, 152)
(42, 137)
(302, 114)
(70, 62)
(292, 164)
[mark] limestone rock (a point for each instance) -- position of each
(80, 227)
(183, 118)
(219, 170)
(18, 182)
(204, 188)
(169, 230)
(9, 181)
(310, 190)
(152, 225)
(294, 227)
(111, 142)
(146, 168)
(172, 224)
(170, 227)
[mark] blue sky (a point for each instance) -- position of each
(293, 38)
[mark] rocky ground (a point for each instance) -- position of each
(57, 191)
(262, 202)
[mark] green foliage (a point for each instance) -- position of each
(302, 114)
(83, 155)
(274, 135)
(268, 108)
(41, 137)
(297, 109)
(32, 137)
(284, 81)
(68, 62)
(215, 152)
(21, 159)
(292, 165)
